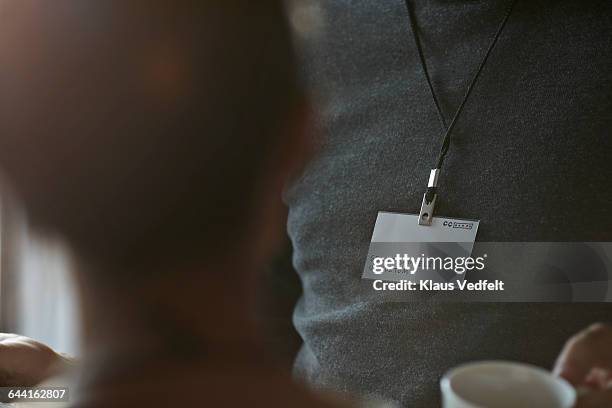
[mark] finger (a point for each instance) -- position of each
(598, 379)
(591, 348)
(597, 399)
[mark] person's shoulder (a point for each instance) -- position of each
(230, 386)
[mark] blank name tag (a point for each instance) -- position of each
(400, 235)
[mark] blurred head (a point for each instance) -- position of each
(147, 131)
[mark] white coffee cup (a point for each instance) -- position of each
(504, 384)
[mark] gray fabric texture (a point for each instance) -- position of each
(530, 158)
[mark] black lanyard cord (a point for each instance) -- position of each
(429, 199)
(419, 48)
(448, 132)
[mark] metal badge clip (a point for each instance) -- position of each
(429, 198)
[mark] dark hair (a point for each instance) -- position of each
(174, 177)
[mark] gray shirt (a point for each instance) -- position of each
(530, 158)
